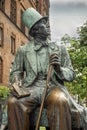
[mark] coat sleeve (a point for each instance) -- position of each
(17, 67)
(66, 71)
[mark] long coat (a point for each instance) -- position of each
(25, 60)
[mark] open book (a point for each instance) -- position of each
(19, 92)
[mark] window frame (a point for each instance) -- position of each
(1, 69)
(22, 25)
(13, 11)
(13, 44)
(2, 5)
(1, 36)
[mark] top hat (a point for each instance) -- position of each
(31, 17)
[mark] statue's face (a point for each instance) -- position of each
(41, 29)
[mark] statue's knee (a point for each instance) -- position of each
(11, 101)
(61, 100)
(56, 97)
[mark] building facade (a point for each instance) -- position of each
(12, 31)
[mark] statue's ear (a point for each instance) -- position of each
(34, 31)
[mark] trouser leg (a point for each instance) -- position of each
(18, 117)
(58, 111)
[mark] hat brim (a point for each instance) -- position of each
(45, 17)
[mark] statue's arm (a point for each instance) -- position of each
(17, 67)
(66, 72)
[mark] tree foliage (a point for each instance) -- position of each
(78, 54)
(82, 31)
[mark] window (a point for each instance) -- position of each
(1, 36)
(37, 5)
(1, 69)
(13, 11)
(2, 4)
(22, 25)
(33, 1)
(12, 45)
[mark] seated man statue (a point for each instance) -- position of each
(32, 60)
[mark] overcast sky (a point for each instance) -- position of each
(66, 16)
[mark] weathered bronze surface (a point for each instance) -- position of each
(33, 60)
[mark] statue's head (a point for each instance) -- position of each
(36, 23)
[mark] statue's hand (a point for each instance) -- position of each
(55, 61)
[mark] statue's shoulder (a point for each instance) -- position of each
(57, 46)
(27, 46)
(51, 44)
(54, 45)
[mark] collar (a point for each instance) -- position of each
(39, 45)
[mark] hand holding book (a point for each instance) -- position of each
(18, 91)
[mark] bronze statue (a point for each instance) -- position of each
(32, 60)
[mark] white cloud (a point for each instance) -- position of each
(68, 1)
(65, 25)
(66, 18)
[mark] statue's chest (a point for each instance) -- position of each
(42, 58)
